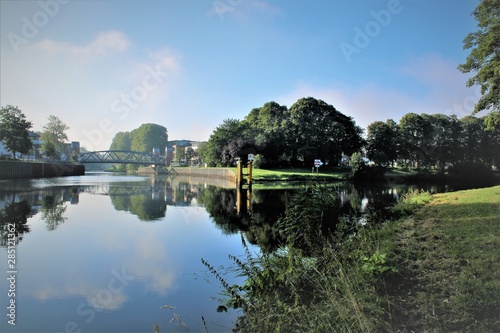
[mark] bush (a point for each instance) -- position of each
(410, 201)
(259, 161)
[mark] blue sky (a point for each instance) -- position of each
(109, 66)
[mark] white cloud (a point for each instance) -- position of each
(80, 83)
(105, 43)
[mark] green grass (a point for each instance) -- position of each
(296, 174)
(436, 269)
(448, 253)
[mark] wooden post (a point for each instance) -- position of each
(249, 173)
(239, 176)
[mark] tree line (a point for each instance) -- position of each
(14, 133)
(435, 140)
(311, 129)
(281, 136)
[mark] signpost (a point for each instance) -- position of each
(317, 164)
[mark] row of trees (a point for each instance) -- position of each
(312, 129)
(280, 136)
(435, 140)
(14, 133)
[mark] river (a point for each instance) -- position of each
(117, 253)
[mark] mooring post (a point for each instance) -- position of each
(249, 173)
(239, 176)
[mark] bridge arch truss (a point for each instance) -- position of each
(121, 156)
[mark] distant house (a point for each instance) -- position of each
(183, 152)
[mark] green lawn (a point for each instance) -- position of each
(448, 253)
(297, 174)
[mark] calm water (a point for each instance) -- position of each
(105, 253)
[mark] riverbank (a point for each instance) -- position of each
(448, 259)
(431, 265)
(28, 169)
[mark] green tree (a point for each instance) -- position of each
(14, 130)
(148, 136)
(472, 135)
(443, 135)
(267, 127)
(413, 139)
(320, 131)
(53, 137)
(230, 130)
(121, 141)
(381, 142)
(484, 58)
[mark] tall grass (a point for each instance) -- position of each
(319, 281)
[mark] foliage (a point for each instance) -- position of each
(289, 290)
(229, 131)
(121, 141)
(376, 263)
(148, 136)
(410, 201)
(484, 57)
(237, 149)
(310, 129)
(269, 127)
(311, 214)
(14, 130)
(142, 139)
(381, 142)
(53, 138)
(357, 164)
(320, 131)
(435, 141)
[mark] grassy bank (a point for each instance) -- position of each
(448, 258)
(297, 174)
(435, 267)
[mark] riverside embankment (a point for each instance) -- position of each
(23, 169)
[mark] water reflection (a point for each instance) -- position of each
(87, 254)
(251, 212)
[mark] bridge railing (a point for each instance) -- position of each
(121, 156)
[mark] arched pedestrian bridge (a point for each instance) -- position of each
(123, 157)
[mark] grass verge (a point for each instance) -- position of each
(297, 174)
(448, 257)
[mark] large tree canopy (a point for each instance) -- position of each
(320, 131)
(484, 58)
(14, 130)
(121, 141)
(268, 127)
(223, 135)
(310, 129)
(142, 139)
